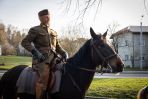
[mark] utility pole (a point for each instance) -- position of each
(141, 44)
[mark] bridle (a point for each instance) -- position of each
(105, 59)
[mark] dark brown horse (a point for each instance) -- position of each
(79, 70)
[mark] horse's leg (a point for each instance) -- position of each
(26, 96)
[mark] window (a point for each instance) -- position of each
(141, 58)
(126, 57)
(126, 43)
(142, 43)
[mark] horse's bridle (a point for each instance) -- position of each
(105, 59)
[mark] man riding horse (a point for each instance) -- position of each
(40, 41)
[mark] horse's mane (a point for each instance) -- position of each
(80, 53)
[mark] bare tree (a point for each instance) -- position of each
(72, 39)
(3, 35)
(8, 49)
(16, 38)
(146, 6)
(82, 7)
(112, 28)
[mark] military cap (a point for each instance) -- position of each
(43, 12)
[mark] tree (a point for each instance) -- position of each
(3, 35)
(9, 33)
(16, 38)
(8, 49)
(146, 6)
(82, 7)
(10, 40)
(112, 28)
(72, 39)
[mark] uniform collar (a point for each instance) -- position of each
(44, 26)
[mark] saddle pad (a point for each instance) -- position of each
(56, 86)
(26, 81)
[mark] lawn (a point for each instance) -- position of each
(11, 61)
(117, 88)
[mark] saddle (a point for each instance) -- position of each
(27, 80)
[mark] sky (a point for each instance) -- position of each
(23, 14)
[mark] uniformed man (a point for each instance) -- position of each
(41, 41)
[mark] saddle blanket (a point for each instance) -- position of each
(27, 79)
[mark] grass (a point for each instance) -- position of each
(11, 61)
(117, 88)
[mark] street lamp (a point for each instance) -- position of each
(141, 44)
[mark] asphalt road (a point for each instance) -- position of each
(124, 74)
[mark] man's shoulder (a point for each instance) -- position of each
(53, 32)
(36, 27)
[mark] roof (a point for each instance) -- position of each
(133, 29)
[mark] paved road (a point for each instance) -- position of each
(2, 72)
(125, 74)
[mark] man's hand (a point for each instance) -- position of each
(65, 56)
(38, 55)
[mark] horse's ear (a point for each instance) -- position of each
(93, 34)
(104, 35)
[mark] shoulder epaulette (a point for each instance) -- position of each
(54, 33)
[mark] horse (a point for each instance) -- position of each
(78, 73)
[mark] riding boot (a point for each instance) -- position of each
(39, 90)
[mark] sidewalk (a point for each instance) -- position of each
(134, 72)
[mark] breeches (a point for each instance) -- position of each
(44, 66)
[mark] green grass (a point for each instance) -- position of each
(118, 88)
(11, 61)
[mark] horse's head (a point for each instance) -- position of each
(101, 50)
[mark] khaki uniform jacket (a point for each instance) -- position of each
(42, 38)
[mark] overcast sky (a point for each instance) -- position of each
(23, 13)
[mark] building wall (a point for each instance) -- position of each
(129, 49)
(125, 49)
(144, 50)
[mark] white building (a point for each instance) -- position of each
(127, 44)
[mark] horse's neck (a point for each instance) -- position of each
(83, 57)
(81, 60)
